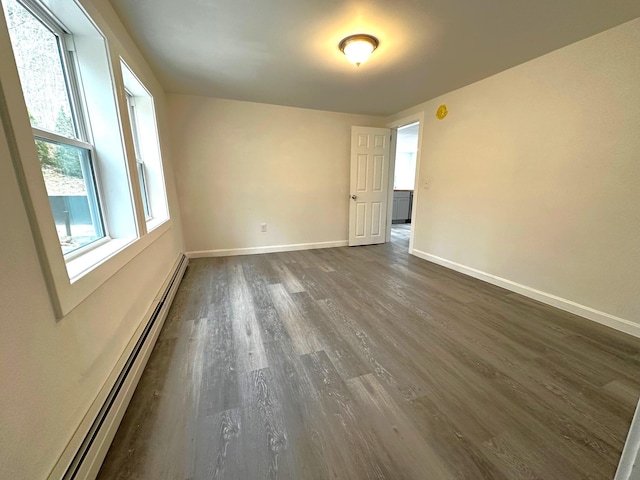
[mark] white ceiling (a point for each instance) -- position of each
(285, 52)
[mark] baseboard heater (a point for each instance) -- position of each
(88, 452)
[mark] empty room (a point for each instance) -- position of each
(319, 240)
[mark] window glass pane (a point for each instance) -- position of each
(70, 183)
(136, 145)
(37, 53)
(146, 149)
(134, 127)
(143, 191)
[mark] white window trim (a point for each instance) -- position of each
(84, 250)
(72, 281)
(69, 67)
(54, 137)
(144, 192)
(135, 89)
(82, 131)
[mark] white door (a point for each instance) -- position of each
(369, 185)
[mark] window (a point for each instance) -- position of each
(71, 187)
(69, 150)
(131, 102)
(146, 149)
(46, 63)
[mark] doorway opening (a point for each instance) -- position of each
(404, 180)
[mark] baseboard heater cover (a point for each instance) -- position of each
(76, 468)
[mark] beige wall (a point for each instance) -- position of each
(51, 370)
(534, 176)
(240, 164)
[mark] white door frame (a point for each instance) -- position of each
(416, 117)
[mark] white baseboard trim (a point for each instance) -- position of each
(229, 252)
(87, 449)
(621, 324)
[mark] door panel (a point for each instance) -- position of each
(378, 176)
(376, 219)
(369, 184)
(362, 173)
(361, 214)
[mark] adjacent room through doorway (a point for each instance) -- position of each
(404, 177)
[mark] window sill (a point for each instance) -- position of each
(155, 223)
(83, 264)
(76, 279)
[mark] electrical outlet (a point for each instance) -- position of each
(263, 227)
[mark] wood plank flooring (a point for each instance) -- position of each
(367, 363)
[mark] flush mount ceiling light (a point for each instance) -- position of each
(357, 48)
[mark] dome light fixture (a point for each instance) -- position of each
(357, 48)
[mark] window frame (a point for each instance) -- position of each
(94, 195)
(81, 125)
(145, 145)
(140, 167)
(71, 281)
(69, 66)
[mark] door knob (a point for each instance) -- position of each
(354, 196)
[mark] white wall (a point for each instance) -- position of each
(240, 164)
(534, 175)
(51, 370)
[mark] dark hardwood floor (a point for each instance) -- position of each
(365, 362)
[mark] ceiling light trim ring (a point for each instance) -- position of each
(352, 47)
(358, 36)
